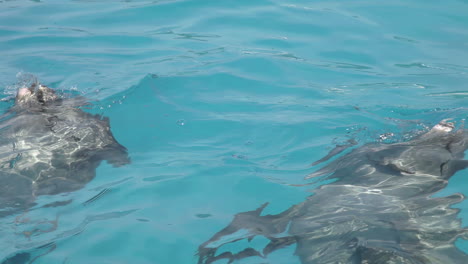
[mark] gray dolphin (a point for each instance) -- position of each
(379, 209)
(48, 145)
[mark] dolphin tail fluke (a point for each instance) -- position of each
(247, 225)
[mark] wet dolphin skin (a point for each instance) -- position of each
(48, 145)
(379, 209)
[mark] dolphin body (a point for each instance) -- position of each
(49, 146)
(379, 209)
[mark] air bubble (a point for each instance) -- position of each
(181, 122)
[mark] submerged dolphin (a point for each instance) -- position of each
(49, 146)
(379, 209)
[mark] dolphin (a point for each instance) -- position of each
(379, 209)
(48, 145)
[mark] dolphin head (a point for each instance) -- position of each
(439, 152)
(35, 96)
(45, 94)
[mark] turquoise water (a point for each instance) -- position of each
(223, 105)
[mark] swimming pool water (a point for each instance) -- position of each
(223, 105)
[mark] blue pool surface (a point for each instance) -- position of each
(223, 106)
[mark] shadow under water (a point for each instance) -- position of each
(379, 209)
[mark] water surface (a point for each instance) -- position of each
(223, 105)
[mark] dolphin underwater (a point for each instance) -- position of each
(378, 210)
(48, 145)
